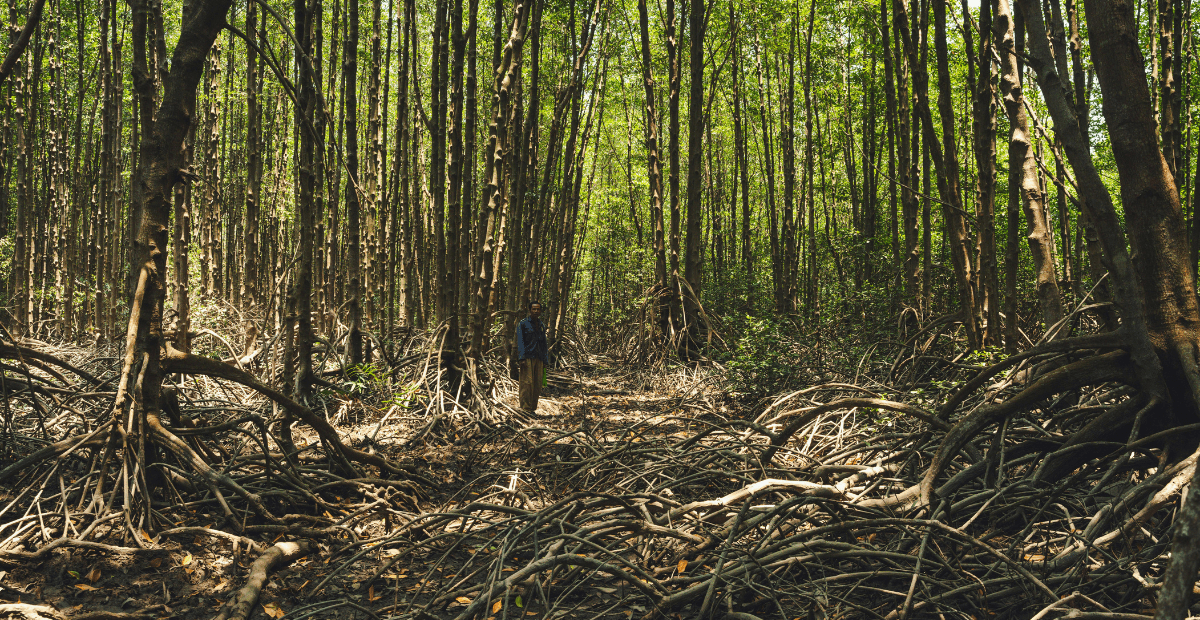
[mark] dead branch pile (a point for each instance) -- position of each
(1001, 495)
(834, 501)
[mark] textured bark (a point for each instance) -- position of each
(1168, 112)
(306, 103)
(496, 172)
(210, 182)
(457, 253)
(674, 77)
(405, 204)
(373, 177)
(1024, 172)
(354, 341)
(907, 178)
(441, 287)
(166, 164)
(1101, 212)
(1157, 237)
(692, 256)
(985, 161)
(945, 158)
(653, 155)
(250, 289)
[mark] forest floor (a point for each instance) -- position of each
(632, 493)
(192, 575)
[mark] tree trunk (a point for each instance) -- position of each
(908, 135)
(945, 157)
(985, 161)
(250, 288)
(777, 259)
(165, 159)
(495, 173)
(653, 160)
(306, 105)
(1101, 211)
(743, 163)
(1024, 171)
(692, 266)
(373, 181)
(674, 76)
(354, 341)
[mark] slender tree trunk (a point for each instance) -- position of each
(354, 341)
(250, 288)
(401, 207)
(653, 160)
(908, 133)
(1167, 84)
(455, 254)
(1025, 171)
(791, 220)
(890, 70)
(985, 161)
(777, 259)
(373, 179)
(743, 159)
(495, 172)
(692, 262)
(306, 104)
(674, 77)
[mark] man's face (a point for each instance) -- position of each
(535, 310)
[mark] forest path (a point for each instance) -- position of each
(584, 440)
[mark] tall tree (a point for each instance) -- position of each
(696, 25)
(1024, 169)
(354, 340)
(496, 171)
(985, 162)
(653, 159)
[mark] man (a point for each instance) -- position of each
(531, 356)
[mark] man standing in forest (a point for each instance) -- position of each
(531, 356)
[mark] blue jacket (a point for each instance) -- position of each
(531, 339)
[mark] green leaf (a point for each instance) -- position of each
(519, 602)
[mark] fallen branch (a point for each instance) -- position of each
(278, 556)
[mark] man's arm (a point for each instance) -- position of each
(520, 341)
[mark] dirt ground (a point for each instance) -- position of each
(191, 575)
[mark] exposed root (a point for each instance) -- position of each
(279, 555)
(1010, 487)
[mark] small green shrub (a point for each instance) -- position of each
(763, 359)
(361, 378)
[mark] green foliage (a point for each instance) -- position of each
(763, 358)
(405, 398)
(362, 378)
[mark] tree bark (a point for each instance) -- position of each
(496, 172)
(692, 265)
(1024, 171)
(354, 340)
(985, 161)
(653, 159)
(166, 166)
(945, 158)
